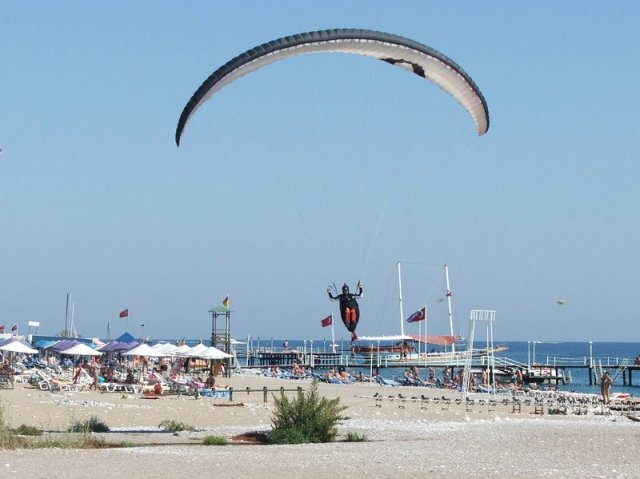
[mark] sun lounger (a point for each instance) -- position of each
(387, 382)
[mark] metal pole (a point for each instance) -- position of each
(333, 336)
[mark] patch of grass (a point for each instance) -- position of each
(91, 424)
(24, 430)
(355, 437)
(76, 442)
(175, 426)
(215, 441)
(8, 439)
(309, 418)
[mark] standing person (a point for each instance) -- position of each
(349, 309)
(285, 346)
(605, 386)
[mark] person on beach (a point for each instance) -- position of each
(349, 309)
(210, 382)
(605, 386)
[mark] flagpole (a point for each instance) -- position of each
(426, 337)
(419, 334)
(450, 313)
(333, 336)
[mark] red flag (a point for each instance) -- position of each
(14, 327)
(326, 321)
(419, 315)
(124, 313)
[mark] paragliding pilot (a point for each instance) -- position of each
(349, 310)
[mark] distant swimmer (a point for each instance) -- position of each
(349, 309)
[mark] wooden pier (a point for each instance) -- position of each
(553, 372)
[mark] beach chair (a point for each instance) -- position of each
(387, 382)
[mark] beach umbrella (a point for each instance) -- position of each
(167, 349)
(213, 353)
(144, 350)
(45, 343)
(81, 349)
(181, 350)
(195, 351)
(62, 344)
(14, 345)
(118, 346)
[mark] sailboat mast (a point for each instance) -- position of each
(66, 316)
(400, 299)
(449, 311)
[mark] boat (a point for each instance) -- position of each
(422, 349)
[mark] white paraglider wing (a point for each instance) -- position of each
(393, 49)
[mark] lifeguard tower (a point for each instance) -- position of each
(221, 333)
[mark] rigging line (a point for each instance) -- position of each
(382, 214)
(413, 194)
(311, 248)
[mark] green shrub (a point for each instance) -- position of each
(215, 441)
(92, 424)
(355, 437)
(308, 418)
(175, 426)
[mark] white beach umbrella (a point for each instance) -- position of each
(182, 350)
(167, 349)
(17, 346)
(213, 353)
(195, 350)
(81, 349)
(144, 350)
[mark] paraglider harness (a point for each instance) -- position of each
(349, 309)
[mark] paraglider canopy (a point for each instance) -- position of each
(393, 49)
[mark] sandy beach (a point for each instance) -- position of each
(442, 439)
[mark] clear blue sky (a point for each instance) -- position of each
(319, 169)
